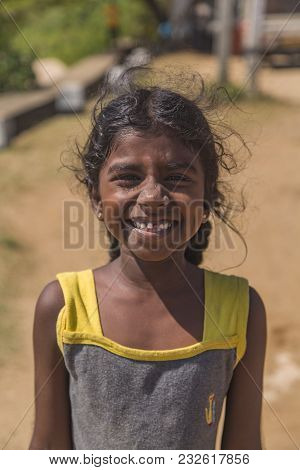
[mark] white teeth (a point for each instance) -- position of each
(149, 225)
(165, 226)
(135, 223)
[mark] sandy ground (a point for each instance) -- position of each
(31, 244)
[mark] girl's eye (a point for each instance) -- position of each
(127, 179)
(179, 178)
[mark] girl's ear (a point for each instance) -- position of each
(97, 208)
(206, 211)
(96, 204)
(99, 212)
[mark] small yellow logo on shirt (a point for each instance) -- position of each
(210, 411)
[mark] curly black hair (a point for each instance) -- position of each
(169, 102)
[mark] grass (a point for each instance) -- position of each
(236, 93)
(12, 256)
(10, 243)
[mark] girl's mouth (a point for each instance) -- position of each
(151, 228)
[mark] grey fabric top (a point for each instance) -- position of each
(124, 398)
(121, 403)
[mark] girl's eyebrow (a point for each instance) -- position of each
(181, 165)
(134, 166)
(123, 166)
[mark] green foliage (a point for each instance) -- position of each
(66, 29)
(15, 70)
(137, 21)
(68, 32)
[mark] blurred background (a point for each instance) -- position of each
(53, 57)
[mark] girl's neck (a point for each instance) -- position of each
(167, 275)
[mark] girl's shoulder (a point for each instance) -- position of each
(48, 306)
(55, 296)
(233, 287)
(232, 297)
(257, 317)
(227, 289)
(53, 300)
(224, 278)
(50, 301)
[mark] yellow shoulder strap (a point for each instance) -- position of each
(226, 308)
(80, 312)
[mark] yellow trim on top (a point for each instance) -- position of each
(225, 321)
(147, 354)
(60, 327)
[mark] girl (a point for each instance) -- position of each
(140, 353)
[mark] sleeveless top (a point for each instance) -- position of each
(126, 398)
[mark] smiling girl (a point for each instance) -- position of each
(140, 353)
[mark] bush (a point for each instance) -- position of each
(65, 29)
(15, 71)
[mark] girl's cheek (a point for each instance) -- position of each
(114, 212)
(199, 215)
(194, 216)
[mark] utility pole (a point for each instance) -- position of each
(223, 37)
(254, 16)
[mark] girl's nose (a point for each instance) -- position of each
(152, 195)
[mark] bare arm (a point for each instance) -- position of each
(52, 427)
(242, 425)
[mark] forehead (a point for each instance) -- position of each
(151, 150)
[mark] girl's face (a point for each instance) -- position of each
(151, 193)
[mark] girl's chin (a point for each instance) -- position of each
(148, 255)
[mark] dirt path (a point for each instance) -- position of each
(31, 246)
(33, 193)
(280, 83)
